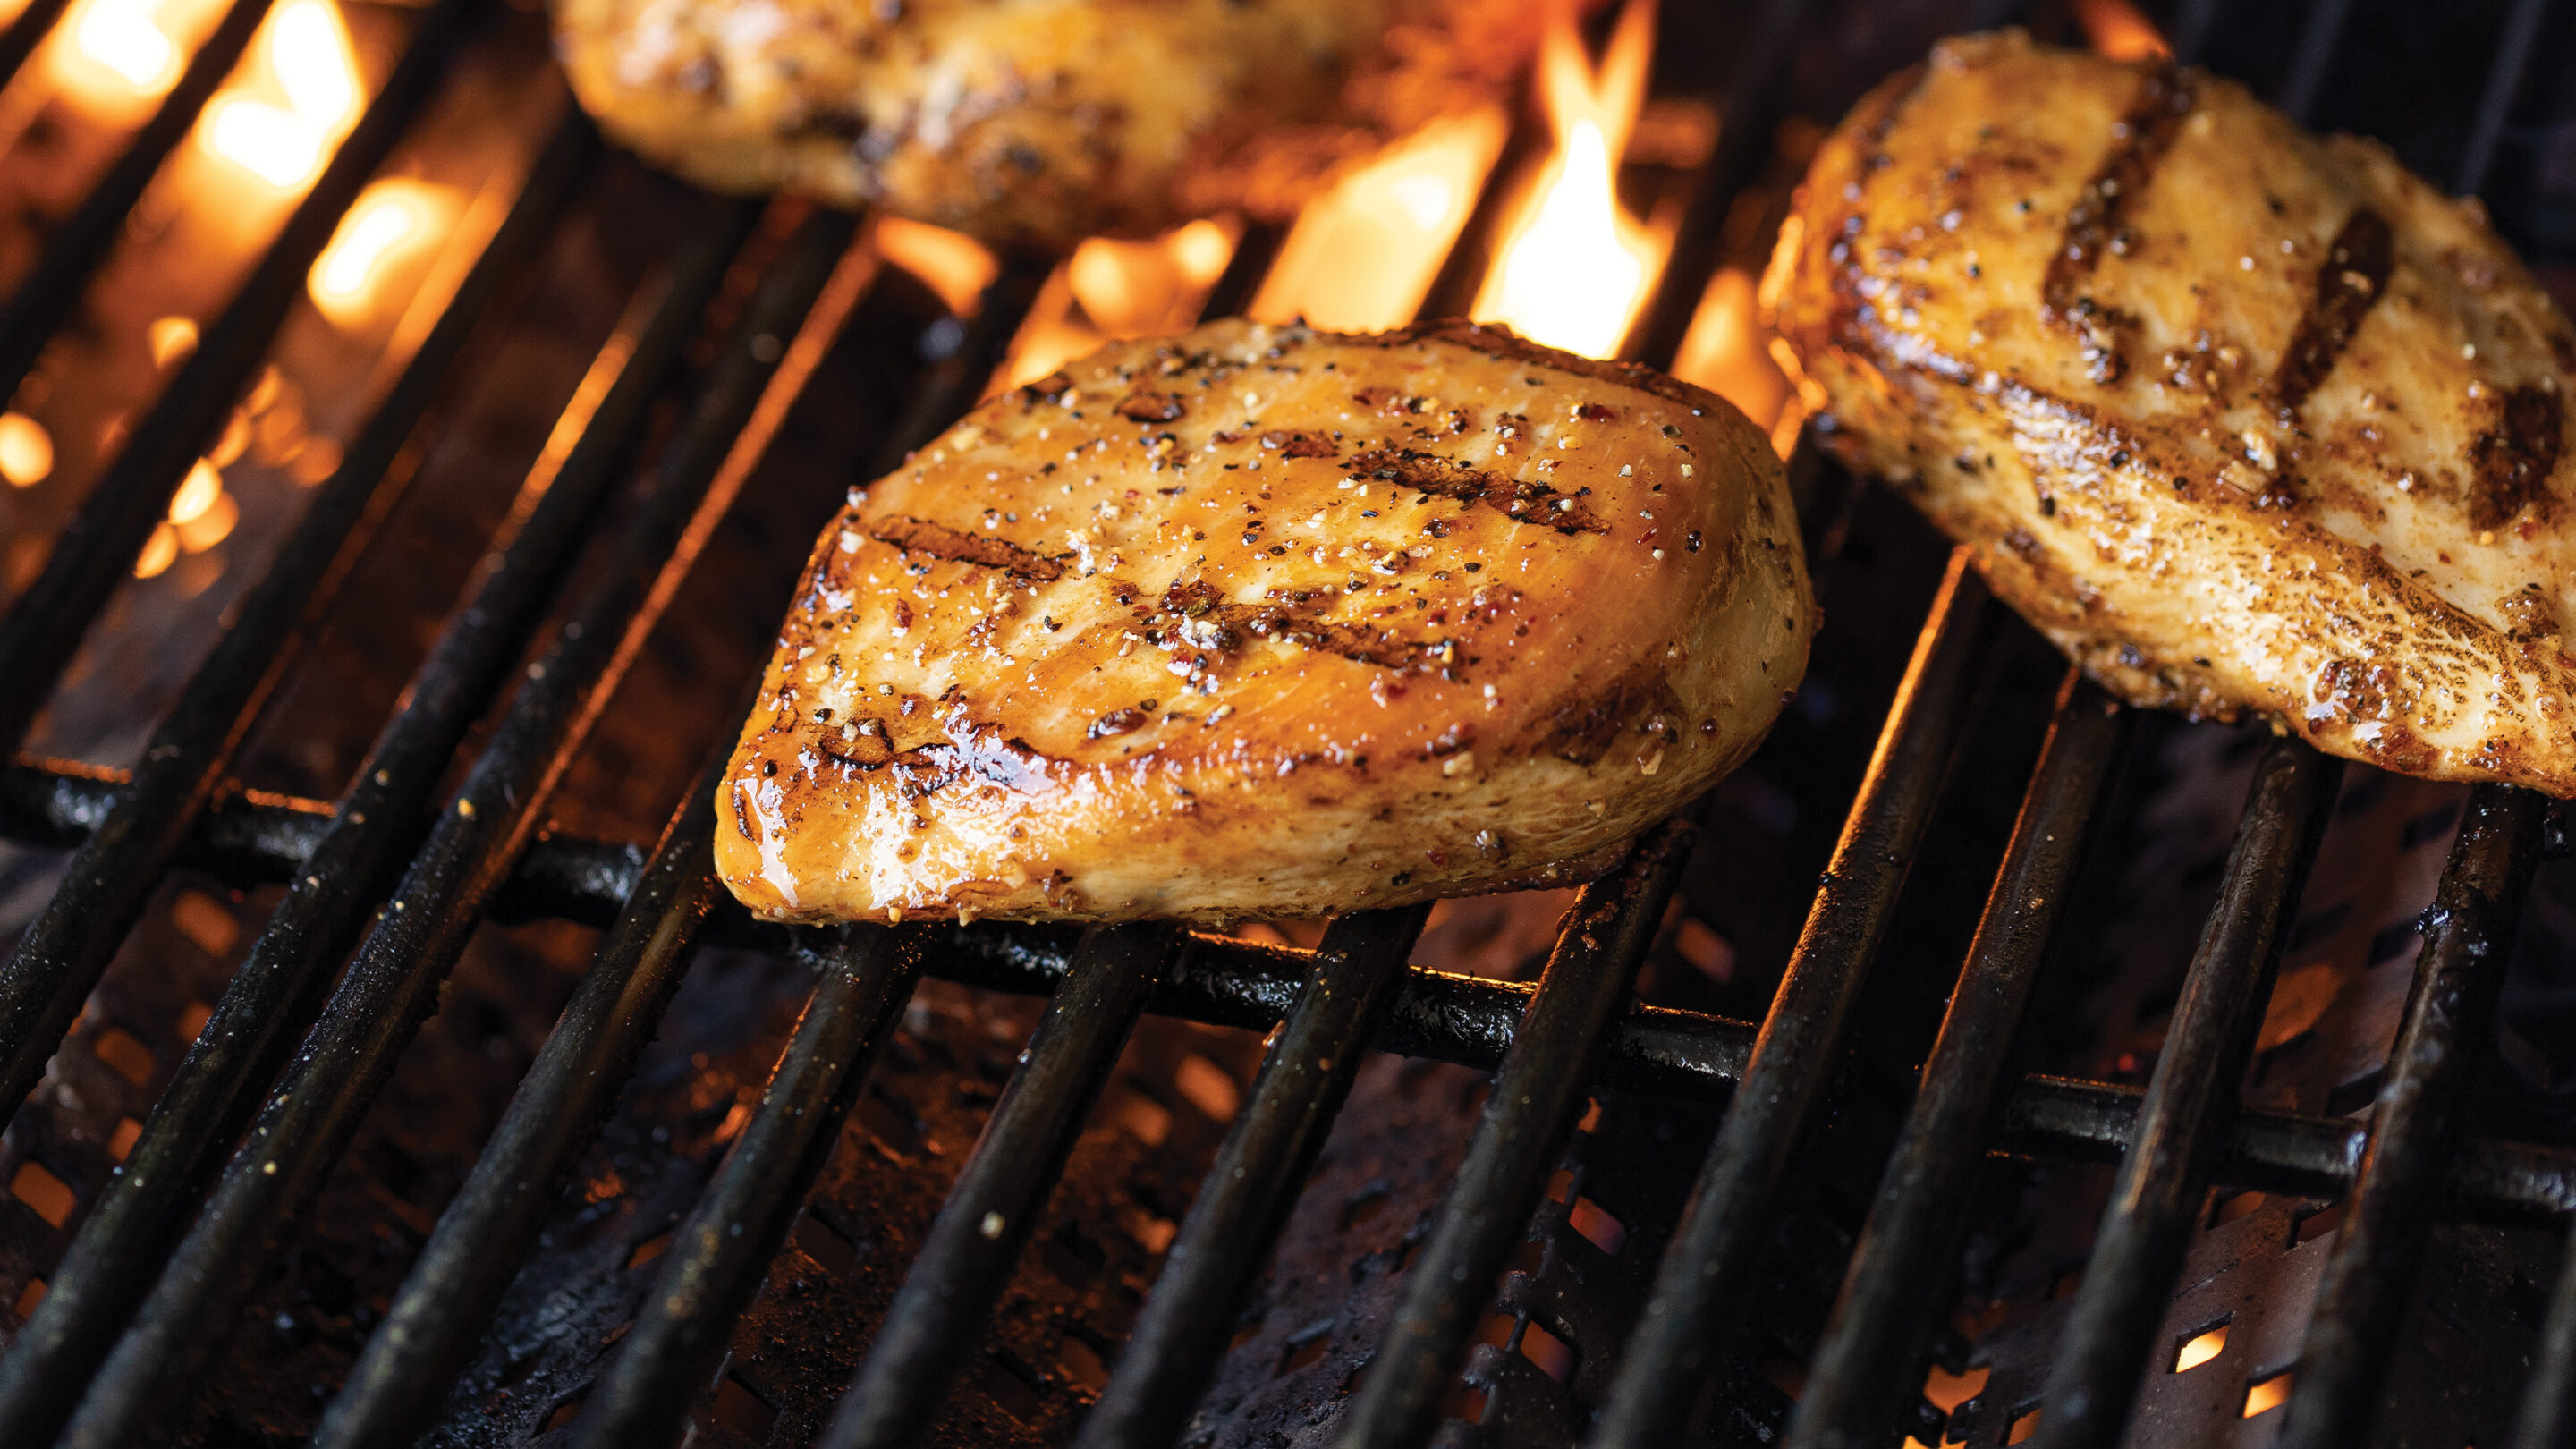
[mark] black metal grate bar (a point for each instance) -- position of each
(967, 1256)
(1706, 1261)
(75, 250)
(715, 1265)
(393, 981)
(115, 870)
(487, 1231)
(256, 1020)
(2548, 1416)
(1225, 981)
(1860, 1379)
(1246, 1197)
(1537, 1096)
(2314, 58)
(260, 1012)
(2191, 1096)
(680, 1335)
(2504, 80)
(1750, 121)
(2415, 1129)
(43, 628)
(26, 33)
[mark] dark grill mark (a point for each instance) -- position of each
(2511, 462)
(2349, 282)
(920, 535)
(2096, 223)
(1448, 478)
(1046, 389)
(1581, 730)
(1150, 407)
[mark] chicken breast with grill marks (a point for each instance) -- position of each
(1264, 622)
(1034, 122)
(2245, 420)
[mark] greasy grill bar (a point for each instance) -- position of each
(165, 1255)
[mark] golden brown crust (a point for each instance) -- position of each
(1037, 122)
(2243, 419)
(1258, 622)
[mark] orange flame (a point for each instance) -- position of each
(2118, 30)
(396, 221)
(299, 96)
(1363, 254)
(1114, 289)
(950, 263)
(114, 58)
(1576, 265)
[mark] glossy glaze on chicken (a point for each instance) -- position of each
(2244, 419)
(1034, 122)
(1258, 622)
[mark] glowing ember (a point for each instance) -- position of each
(211, 527)
(26, 450)
(395, 220)
(159, 552)
(1364, 253)
(172, 338)
(120, 36)
(114, 58)
(197, 492)
(1577, 266)
(300, 97)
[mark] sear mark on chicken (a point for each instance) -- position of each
(2269, 425)
(1331, 623)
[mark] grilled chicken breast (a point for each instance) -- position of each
(2243, 419)
(1034, 122)
(1263, 622)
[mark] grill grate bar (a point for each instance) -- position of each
(1224, 981)
(1750, 120)
(2416, 1127)
(866, 978)
(392, 984)
(114, 872)
(1890, 1291)
(2548, 1416)
(379, 816)
(2138, 1250)
(1712, 1248)
(255, 1021)
(1249, 1191)
(382, 816)
(486, 1233)
(1531, 1110)
(967, 1255)
(75, 250)
(43, 628)
(680, 1336)
(2314, 59)
(2504, 78)
(27, 32)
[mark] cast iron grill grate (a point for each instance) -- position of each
(747, 1269)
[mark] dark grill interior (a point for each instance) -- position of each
(393, 1070)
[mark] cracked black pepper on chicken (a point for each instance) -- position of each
(2244, 419)
(1035, 122)
(1261, 621)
